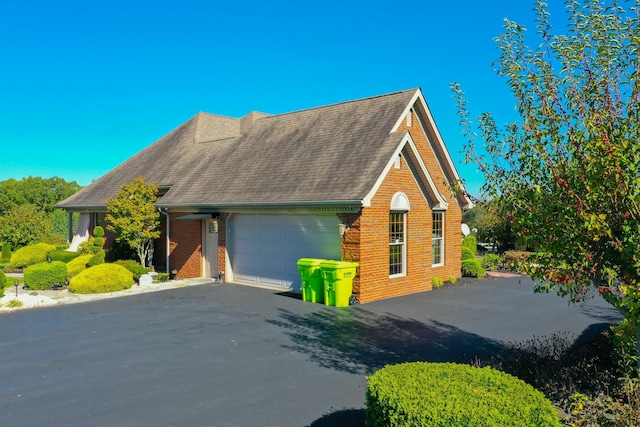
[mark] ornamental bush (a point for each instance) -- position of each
(32, 254)
(470, 242)
(437, 282)
(6, 252)
(77, 264)
(3, 282)
(472, 268)
(467, 253)
(45, 275)
(101, 279)
(63, 255)
(134, 267)
(98, 231)
(491, 261)
(420, 394)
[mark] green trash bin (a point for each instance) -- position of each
(338, 281)
(312, 287)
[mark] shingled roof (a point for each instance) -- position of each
(330, 154)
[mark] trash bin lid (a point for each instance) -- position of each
(336, 265)
(310, 262)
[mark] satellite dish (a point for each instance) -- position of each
(465, 229)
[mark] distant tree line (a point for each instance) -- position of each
(27, 212)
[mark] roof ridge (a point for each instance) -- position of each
(342, 103)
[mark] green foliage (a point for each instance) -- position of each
(3, 283)
(98, 231)
(134, 267)
(98, 241)
(30, 255)
(453, 279)
(447, 394)
(472, 268)
(60, 222)
(45, 275)
(161, 277)
(43, 193)
(604, 411)
(624, 343)
(437, 282)
(24, 225)
(467, 254)
(470, 242)
(14, 303)
(567, 173)
(101, 279)
(133, 217)
(97, 258)
(78, 264)
(54, 239)
(6, 252)
(491, 261)
(87, 247)
(63, 255)
(492, 223)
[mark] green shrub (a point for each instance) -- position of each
(134, 267)
(54, 239)
(472, 268)
(491, 261)
(161, 277)
(45, 275)
(77, 264)
(436, 282)
(63, 255)
(31, 254)
(14, 303)
(3, 282)
(470, 242)
(453, 279)
(6, 252)
(623, 343)
(98, 231)
(98, 241)
(468, 253)
(97, 259)
(447, 394)
(101, 279)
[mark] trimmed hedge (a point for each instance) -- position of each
(3, 282)
(470, 242)
(63, 255)
(467, 253)
(101, 279)
(447, 394)
(98, 231)
(6, 252)
(472, 268)
(77, 264)
(134, 267)
(32, 254)
(45, 275)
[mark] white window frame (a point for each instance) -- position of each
(440, 239)
(401, 244)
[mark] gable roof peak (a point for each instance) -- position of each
(247, 121)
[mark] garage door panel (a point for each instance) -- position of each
(265, 248)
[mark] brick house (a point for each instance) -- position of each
(243, 199)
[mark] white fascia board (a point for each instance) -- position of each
(419, 97)
(408, 108)
(442, 202)
(406, 140)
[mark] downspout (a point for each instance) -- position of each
(167, 240)
(69, 227)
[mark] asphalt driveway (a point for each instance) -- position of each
(230, 355)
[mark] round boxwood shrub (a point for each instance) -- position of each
(3, 282)
(134, 267)
(98, 231)
(78, 264)
(472, 268)
(448, 394)
(31, 254)
(101, 279)
(45, 275)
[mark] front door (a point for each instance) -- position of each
(210, 251)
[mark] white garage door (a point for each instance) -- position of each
(265, 248)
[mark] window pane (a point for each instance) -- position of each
(396, 243)
(437, 238)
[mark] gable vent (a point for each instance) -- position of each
(400, 202)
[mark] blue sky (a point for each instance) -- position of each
(85, 85)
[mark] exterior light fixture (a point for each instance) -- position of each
(342, 229)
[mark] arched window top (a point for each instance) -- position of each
(400, 202)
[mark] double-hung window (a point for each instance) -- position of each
(397, 244)
(437, 238)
